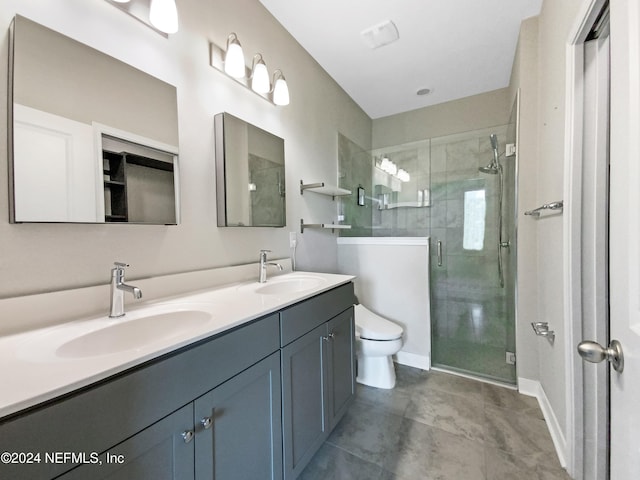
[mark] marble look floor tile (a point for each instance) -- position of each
(511, 399)
(394, 400)
(457, 414)
(515, 433)
(373, 441)
(409, 379)
(451, 384)
(367, 431)
(334, 463)
(535, 467)
(552, 473)
(428, 453)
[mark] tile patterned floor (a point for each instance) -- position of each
(438, 426)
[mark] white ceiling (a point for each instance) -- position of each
(456, 48)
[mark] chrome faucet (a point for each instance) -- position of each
(263, 266)
(118, 287)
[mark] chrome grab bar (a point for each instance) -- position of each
(439, 252)
(559, 205)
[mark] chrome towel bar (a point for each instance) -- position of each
(547, 206)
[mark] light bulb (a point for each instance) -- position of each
(234, 58)
(260, 76)
(280, 89)
(163, 15)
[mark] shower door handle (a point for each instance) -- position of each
(439, 253)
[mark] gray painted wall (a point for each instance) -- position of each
(49, 257)
(525, 62)
(471, 113)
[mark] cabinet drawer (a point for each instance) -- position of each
(303, 317)
(101, 416)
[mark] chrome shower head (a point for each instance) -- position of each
(494, 141)
(491, 169)
(494, 167)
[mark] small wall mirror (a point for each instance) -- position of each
(250, 173)
(91, 139)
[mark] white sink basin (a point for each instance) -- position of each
(133, 334)
(141, 330)
(286, 284)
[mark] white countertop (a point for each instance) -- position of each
(42, 364)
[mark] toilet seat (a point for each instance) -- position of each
(370, 326)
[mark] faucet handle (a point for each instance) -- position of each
(263, 255)
(120, 265)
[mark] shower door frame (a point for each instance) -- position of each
(513, 212)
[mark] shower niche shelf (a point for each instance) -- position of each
(324, 189)
(326, 226)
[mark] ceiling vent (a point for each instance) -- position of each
(381, 34)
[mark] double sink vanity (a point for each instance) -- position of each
(206, 374)
(244, 380)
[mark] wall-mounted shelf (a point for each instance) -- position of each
(328, 226)
(323, 189)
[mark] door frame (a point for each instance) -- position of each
(572, 230)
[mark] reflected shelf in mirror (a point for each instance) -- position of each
(59, 114)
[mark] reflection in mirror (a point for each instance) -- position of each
(138, 183)
(399, 181)
(69, 103)
(250, 175)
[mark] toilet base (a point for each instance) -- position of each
(378, 372)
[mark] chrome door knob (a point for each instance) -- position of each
(595, 353)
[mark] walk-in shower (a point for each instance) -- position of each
(460, 192)
(473, 281)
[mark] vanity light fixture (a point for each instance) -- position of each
(392, 169)
(163, 15)
(259, 75)
(234, 58)
(280, 89)
(403, 175)
(255, 78)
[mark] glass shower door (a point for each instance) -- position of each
(473, 302)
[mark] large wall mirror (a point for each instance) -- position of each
(250, 175)
(92, 139)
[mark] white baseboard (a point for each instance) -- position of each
(412, 360)
(533, 388)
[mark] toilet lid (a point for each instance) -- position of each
(370, 326)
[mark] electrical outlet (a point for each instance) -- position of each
(293, 239)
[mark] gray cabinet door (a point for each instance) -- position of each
(158, 452)
(340, 366)
(244, 438)
(303, 400)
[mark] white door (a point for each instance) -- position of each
(625, 237)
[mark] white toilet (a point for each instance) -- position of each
(377, 339)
